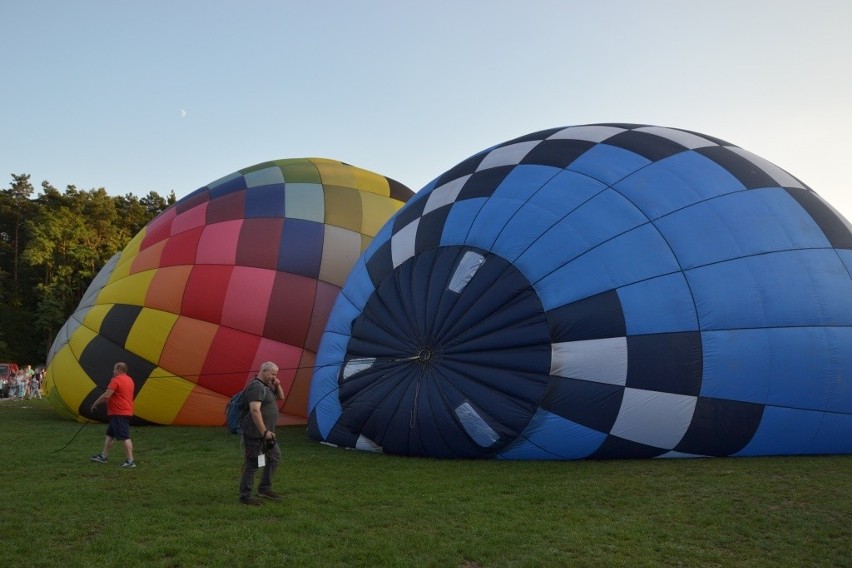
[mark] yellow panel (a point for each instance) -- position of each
(340, 251)
(95, 316)
(333, 172)
(377, 210)
(342, 207)
(371, 182)
(162, 397)
(131, 290)
(70, 381)
(149, 333)
(125, 261)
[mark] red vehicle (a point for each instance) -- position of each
(7, 371)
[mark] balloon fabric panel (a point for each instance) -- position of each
(690, 308)
(188, 303)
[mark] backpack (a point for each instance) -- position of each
(235, 411)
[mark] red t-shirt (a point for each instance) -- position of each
(121, 401)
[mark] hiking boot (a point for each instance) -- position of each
(269, 494)
(250, 501)
(98, 458)
(129, 463)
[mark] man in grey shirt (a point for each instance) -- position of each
(261, 450)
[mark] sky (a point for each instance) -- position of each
(171, 95)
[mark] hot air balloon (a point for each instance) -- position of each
(597, 291)
(241, 271)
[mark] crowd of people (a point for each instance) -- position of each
(26, 383)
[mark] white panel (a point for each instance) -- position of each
(402, 243)
(467, 268)
(507, 155)
(356, 366)
(444, 195)
(686, 139)
(266, 176)
(658, 419)
(597, 360)
(475, 426)
(588, 133)
(367, 445)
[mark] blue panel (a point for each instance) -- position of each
(735, 364)
(608, 164)
(265, 201)
(525, 181)
(323, 400)
(846, 259)
(301, 247)
(740, 224)
(677, 182)
(627, 259)
(658, 305)
(788, 367)
(786, 431)
(549, 436)
(490, 222)
(773, 290)
(227, 185)
(565, 192)
(358, 284)
(462, 215)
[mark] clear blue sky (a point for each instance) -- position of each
(170, 95)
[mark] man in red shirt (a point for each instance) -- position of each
(119, 399)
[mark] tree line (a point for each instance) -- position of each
(52, 245)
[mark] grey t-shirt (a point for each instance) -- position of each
(257, 391)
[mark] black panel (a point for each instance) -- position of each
(97, 360)
(399, 191)
(558, 153)
(540, 135)
(483, 184)
(720, 427)
(751, 176)
(118, 322)
(619, 448)
(430, 229)
(665, 362)
(833, 227)
(594, 405)
(596, 317)
(462, 169)
(380, 264)
(647, 145)
(412, 210)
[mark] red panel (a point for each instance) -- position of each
(218, 243)
(159, 228)
(229, 359)
(289, 315)
(181, 248)
(259, 242)
(247, 299)
(283, 355)
(226, 208)
(190, 219)
(325, 296)
(205, 292)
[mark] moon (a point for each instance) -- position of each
(183, 113)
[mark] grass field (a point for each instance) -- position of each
(348, 508)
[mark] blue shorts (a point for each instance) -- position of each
(119, 427)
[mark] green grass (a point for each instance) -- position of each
(348, 508)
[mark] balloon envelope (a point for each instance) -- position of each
(598, 291)
(241, 271)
